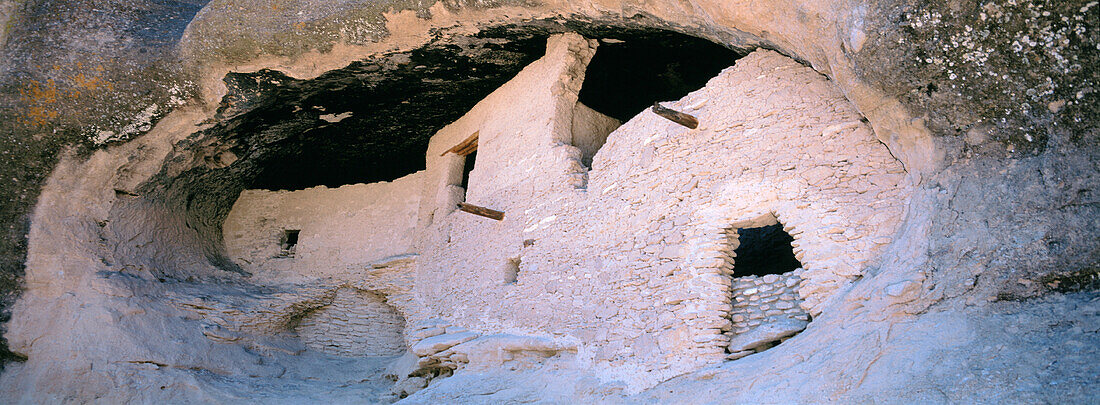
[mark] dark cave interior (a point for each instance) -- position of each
(764, 250)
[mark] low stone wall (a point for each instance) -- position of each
(766, 309)
(357, 323)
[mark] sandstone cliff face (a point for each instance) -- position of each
(935, 162)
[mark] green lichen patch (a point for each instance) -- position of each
(1086, 279)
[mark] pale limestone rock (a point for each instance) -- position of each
(409, 386)
(436, 344)
(425, 333)
(901, 288)
(740, 354)
(494, 350)
(768, 332)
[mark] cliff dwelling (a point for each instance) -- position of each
(702, 202)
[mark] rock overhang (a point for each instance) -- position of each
(370, 120)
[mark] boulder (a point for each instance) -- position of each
(436, 344)
(771, 330)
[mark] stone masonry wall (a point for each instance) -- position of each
(357, 323)
(756, 298)
(359, 312)
(642, 244)
(352, 225)
(765, 309)
(355, 247)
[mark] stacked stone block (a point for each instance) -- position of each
(766, 310)
(357, 324)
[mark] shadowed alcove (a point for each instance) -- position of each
(764, 250)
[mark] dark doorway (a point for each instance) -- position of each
(764, 250)
(289, 242)
(468, 167)
(633, 69)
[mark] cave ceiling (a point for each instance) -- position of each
(371, 121)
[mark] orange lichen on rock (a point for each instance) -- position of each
(40, 100)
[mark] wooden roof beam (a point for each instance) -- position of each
(465, 147)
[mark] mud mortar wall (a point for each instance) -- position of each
(340, 227)
(643, 245)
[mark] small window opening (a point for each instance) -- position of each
(289, 242)
(511, 270)
(467, 167)
(764, 250)
(461, 159)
